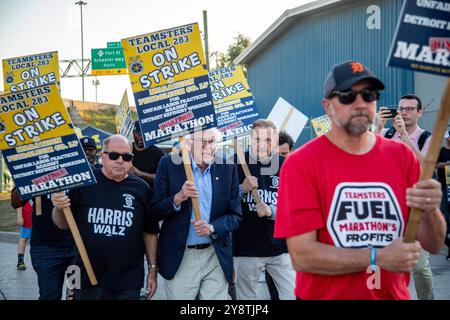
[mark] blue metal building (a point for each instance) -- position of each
(293, 56)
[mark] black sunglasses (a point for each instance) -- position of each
(127, 157)
(349, 96)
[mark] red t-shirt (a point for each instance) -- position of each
(27, 210)
(353, 201)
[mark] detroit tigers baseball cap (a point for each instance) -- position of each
(345, 74)
(88, 142)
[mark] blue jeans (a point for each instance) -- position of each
(98, 293)
(50, 264)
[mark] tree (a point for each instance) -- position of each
(234, 50)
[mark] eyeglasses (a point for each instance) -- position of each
(206, 142)
(406, 109)
(127, 157)
(349, 96)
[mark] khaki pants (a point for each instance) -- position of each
(199, 273)
(249, 269)
(423, 278)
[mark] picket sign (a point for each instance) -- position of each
(80, 245)
(189, 175)
(38, 206)
(440, 125)
(243, 163)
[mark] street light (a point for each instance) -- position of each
(81, 4)
(95, 83)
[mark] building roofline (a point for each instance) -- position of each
(277, 27)
(98, 129)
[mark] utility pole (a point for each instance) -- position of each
(81, 4)
(205, 30)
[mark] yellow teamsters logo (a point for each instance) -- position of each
(9, 77)
(2, 126)
(136, 65)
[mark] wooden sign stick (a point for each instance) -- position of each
(243, 163)
(80, 245)
(38, 204)
(439, 128)
(286, 119)
(189, 176)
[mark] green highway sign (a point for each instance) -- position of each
(108, 61)
(114, 44)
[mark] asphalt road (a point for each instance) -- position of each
(22, 285)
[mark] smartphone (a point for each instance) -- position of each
(393, 112)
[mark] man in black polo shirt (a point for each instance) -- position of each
(115, 223)
(145, 161)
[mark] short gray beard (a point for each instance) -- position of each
(352, 129)
(357, 129)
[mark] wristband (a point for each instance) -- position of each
(373, 256)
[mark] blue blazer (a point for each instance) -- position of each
(226, 214)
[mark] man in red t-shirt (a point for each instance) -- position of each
(343, 201)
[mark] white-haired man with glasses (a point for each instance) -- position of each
(195, 257)
(116, 225)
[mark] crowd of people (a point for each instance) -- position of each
(313, 221)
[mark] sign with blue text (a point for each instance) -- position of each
(233, 102)
(422, 40)
(49, 166)
(170, 83)
(124, 119)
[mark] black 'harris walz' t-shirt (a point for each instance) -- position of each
(45, 232)
(254, 237)
(112, 217)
